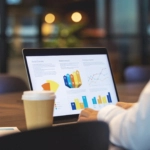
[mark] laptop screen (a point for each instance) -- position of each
(79, 79)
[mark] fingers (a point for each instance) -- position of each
(86, 112)
(121, 104)
(82, 119)
(89, 109)
(125, 105)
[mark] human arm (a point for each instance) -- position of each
(129, 128)
(89, 114)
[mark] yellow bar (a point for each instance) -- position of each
(81, 105)
(104, 99)
(76, 83)
(79, 78)
(99, 100)
(77, 104)
(72, 80)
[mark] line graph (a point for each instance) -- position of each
(98, 77)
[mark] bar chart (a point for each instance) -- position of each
(102, 99)
(73, 80)
(77, 104)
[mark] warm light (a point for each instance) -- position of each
(47, 29)
(49, 18)
(76, 17)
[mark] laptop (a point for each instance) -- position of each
(80, 77)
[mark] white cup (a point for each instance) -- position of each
(38, 108)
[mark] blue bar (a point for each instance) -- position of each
(73, 105)
(94, 100)
(85, 101)
(69, 81)
(109, 100)
(66, 81)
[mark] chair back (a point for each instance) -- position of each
(137, 74)
(10, 83)
(78, 136)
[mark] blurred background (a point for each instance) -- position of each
(122, 26)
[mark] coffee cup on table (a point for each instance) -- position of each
(38, 108)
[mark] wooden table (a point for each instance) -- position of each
(130, 92)
(12, 111)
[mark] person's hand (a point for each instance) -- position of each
(125, 105)
(88, 114)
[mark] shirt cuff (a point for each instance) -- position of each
(108, 112)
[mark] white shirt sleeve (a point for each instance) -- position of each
(130, 128)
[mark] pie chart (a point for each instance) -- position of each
(50, 85)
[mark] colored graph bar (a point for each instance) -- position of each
(94, 100)
(66, 81)
(77, 103)
(99, 100)
(104, 100)
(75, 79)
(81, 106)
(72, 80)
(85, 101)
(69, 81)
(73, 106)
(109, 98)
(78, 77)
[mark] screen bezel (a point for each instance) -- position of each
(60, 52)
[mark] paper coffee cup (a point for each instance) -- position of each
(38, 108)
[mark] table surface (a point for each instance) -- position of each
(12, 111)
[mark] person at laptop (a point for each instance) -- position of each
(129, 128)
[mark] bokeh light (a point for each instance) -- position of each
(76, 17)
(47, 29)
(49, 18)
